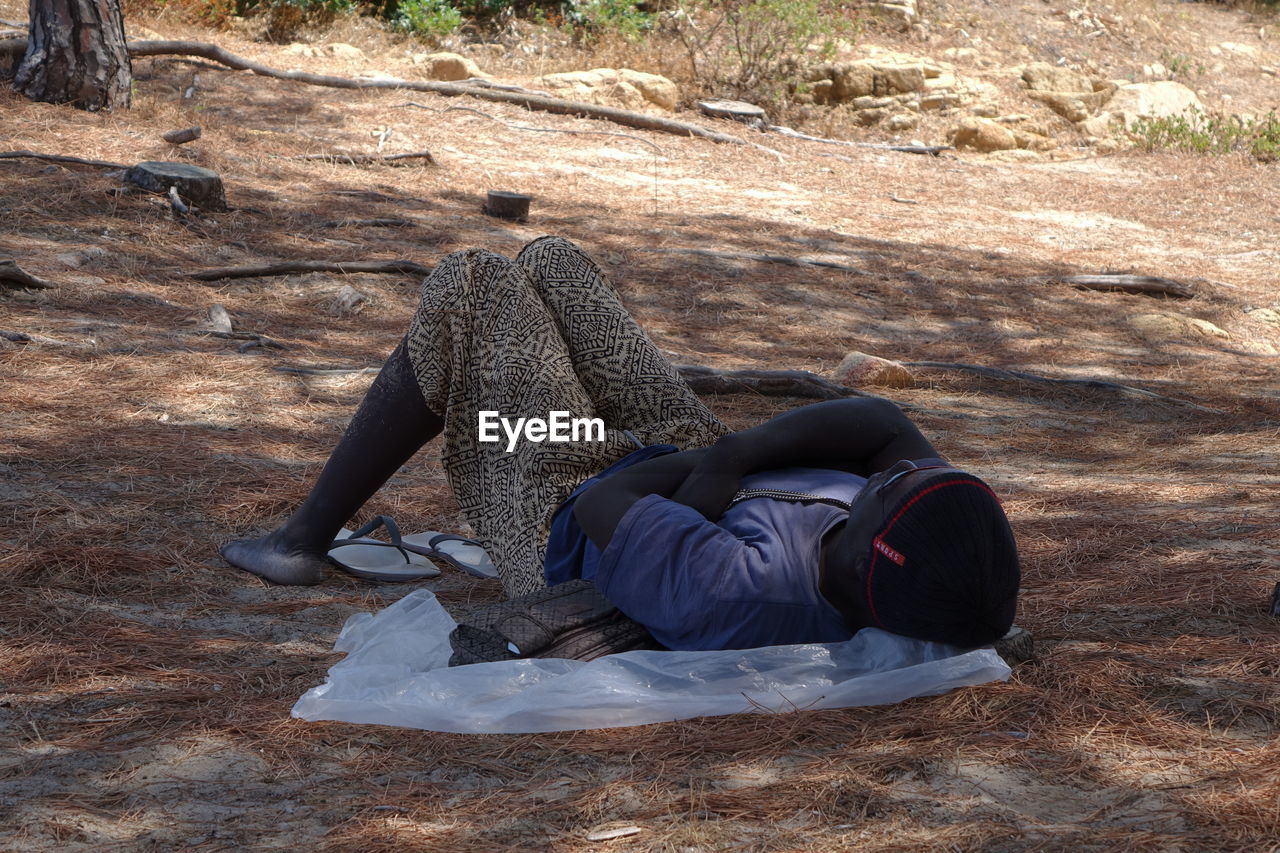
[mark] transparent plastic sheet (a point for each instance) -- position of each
(396, 673)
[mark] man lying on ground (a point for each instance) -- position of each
(824, 520)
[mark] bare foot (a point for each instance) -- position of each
(272, 558)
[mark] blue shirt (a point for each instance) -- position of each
(748, 580)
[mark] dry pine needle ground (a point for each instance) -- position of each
(146, 686)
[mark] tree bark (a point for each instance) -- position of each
(76, 55)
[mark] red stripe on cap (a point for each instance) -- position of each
(880, 547)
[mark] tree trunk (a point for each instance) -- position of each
(76, 54)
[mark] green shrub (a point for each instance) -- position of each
(1208, 134)
(622, 16)
(755, 49)
(430, 18)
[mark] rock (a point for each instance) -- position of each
(447, 67)
(1102, 125)
(657, 90)
(893, 74)
(1153, 100)
(347, 301)
(1266, 315)
(338, 50)
(624, 86)
(1043, 77)
(960, 53)
(79, 258)
(1015, 647)
(857, 370)
(903, 121)
(343, 51)
(866, 118)
(982, 135)
(198, 186)
(985, 110)
(1073, 106)
(1175, 325)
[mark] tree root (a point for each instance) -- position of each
(12, 275)
(1147, 285)
(769, 383)
(59, 158)
(1093, 384)
(291, 267)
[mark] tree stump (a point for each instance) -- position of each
(734, 111)
(201, 187)
(505, 205)
(76, 54)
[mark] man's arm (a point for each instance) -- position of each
(600, 508)
(861, 435)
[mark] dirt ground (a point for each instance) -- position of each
(145, 686)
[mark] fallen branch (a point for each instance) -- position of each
(12, 275)
(368, 159)
(1142, 284)
(59, 158)
(24, 338)
(291, 267)
(770, 383)
(932, 150)
(1093, 384)
(543, 103)
(751, 256)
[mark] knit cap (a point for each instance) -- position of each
(945, 565)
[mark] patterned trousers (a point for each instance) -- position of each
(525, 338)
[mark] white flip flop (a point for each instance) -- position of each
(373, 559)
(465, 555)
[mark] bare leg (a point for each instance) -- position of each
(392, 423)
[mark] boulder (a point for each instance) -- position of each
(878, 78)
(447, 67)
(859, 370)
(1073, 106)
(617, 86)
(983, 135)
(1043, 77)
(1153, 100)
(338, 50)
(1175, 325)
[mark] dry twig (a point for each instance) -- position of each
(291, 267)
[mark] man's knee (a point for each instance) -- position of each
(474, 272)
(546, 252)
